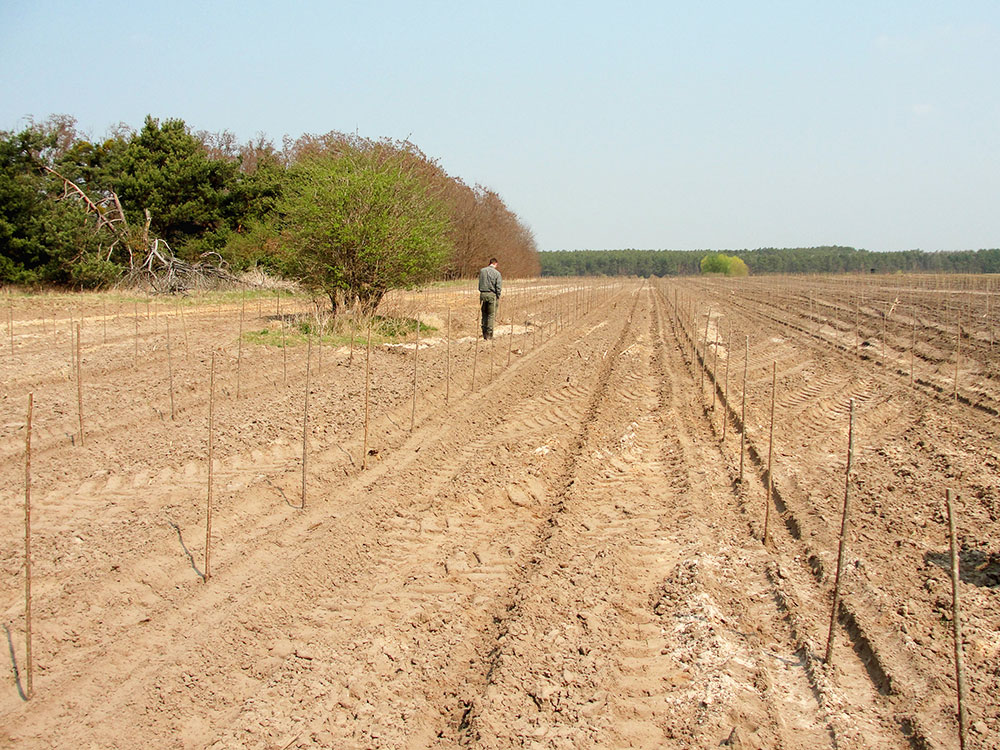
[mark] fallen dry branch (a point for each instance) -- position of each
(151, 262)
(165, 273)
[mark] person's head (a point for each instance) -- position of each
(493, 262)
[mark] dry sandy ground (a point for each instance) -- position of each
(561, 557)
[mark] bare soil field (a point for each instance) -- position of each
(559, 553)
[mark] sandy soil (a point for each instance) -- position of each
(559, 554)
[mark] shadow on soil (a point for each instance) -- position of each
(187, 552)
(13, 663)
(975, 566)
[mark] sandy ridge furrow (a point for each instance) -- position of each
(877, 648)
(243, 576)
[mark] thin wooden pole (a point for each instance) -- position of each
(72, 346)
(135, 350)
(743, 410)
(913, 344)
(284, 355)
(715, 369)
(956, 611)
(493, 347)
(27, 549)
(184, 327)
(857, 327)
(770, 456)
(475, 362)
(725, 406)
(510, 340)
(416, 353)
(104, 319)
(305, 422)
(170, 372)
(845, 519)
(447, 365)
(958, 358)
(704, 352)
(239, 347)
(79, 381)
(988, 316)
(885, 322)
(354, 332)
(211, 450)
(321, 322)
(368, 356)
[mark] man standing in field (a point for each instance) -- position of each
(489, 296)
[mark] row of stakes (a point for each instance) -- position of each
(950, 499)
(537, 330)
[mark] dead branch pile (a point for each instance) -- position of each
(151, 262)
(165, 273)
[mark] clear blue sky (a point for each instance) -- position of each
(603, 125)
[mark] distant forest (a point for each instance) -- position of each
(831, 259)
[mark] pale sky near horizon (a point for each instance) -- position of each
(657, 125)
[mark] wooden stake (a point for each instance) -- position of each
(770, 456)
(704, 352)
(321, 322)
(510, 340)
(72, 346)
(743, 411)
(135, 353)
(857, 328)
(493, 347)
(104, 319)
(725, 406)
(958, 358)
(956, 611)
(284, 355)
(988, 317)
(475, 361)
(79, 383)
(368, 356)
(885, 320)
(27, 549)
(843, 537)
(447, 364)
(305, 422)
(354, 332)
(187, 351)
(913, 344)
(239, 347)
(211, 450)
(416, 351)
(715, 369)
(170, 372)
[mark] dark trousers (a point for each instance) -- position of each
(488, 305)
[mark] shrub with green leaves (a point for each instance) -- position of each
(725, 265)
(361, 222)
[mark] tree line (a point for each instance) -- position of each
(348, 215)
(831, 259)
